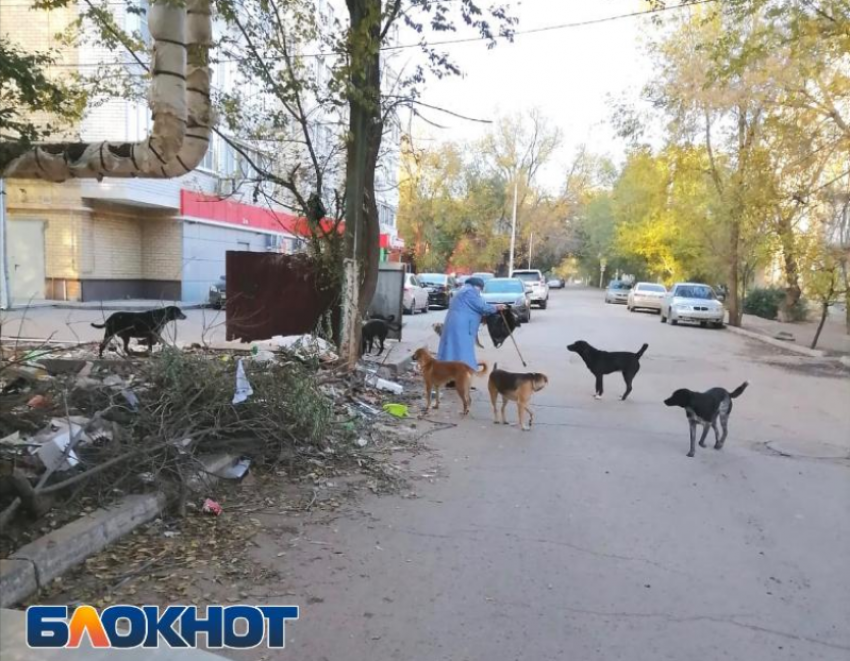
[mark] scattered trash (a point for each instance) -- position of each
(243, 387)
(38, 402)
(785, 336)
(308, 346)
(235, 471)
(211, 507)
(261, 356)
(12, 440)
(131, 398)
(362, 442)
(382, 384)
(397, 410)
(53, 443)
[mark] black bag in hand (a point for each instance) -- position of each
(501, 325)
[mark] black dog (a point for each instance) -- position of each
(607, 362)
(146, 326)
(706, 408)
(376, 329)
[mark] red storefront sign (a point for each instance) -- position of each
(231, 212)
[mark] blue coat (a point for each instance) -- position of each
(461, 326)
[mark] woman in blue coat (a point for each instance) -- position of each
(461, 326)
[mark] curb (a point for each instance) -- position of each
(35, 565)
(788, 346)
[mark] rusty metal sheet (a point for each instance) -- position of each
(272, 294)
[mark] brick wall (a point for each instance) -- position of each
(162, 249)
(116, 247)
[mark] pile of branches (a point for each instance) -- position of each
(150, 426)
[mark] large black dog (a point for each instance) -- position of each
(608, 362)
(706, 409)
(377, 329)
(145, 326)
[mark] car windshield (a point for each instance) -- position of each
(528, 276)
(433, 278)
(657, 288)
(617, 284)
(696, 291)
(504, 286)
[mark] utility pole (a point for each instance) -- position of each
(5, 288)
(513, 229)
(530, 248)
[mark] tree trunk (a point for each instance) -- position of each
(823, 316)
(791, 268)
(362, 233)
(734, 272)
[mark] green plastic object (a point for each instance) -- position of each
(397, 410)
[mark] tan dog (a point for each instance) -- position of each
(438, 329)
(517, 388)
(440, 372)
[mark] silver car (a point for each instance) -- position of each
(509, 291)
(617, 292)
(692, 302)
(646, 296)
(415, 295)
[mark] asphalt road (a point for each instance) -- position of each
(593, 536)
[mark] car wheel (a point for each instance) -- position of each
(544, 303)
(719, 325)
(673, 322)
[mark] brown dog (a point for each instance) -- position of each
(439, 372)
(438, 329)
(517, 388)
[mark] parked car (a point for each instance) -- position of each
(617, 292)
(556, 283)
(415, 295)
(509, 291)
(646, 296)
(483, 275)
(218, 294)
(693, 302)
(440, 288)
(539, 288)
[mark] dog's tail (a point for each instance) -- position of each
(103, 325)
(483, 369)
(739, 390)
(642, 349)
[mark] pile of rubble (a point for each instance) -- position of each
(77, 432)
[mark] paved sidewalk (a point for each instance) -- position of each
(833, 339)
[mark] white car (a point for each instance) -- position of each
(692, 302)
(646, 296)
(415, 295)
(534, 280)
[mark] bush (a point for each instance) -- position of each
(765, 302)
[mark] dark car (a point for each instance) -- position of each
(440, 288)
(218, 294)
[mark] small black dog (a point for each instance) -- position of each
(376, 329)
(146, 326)
(607, 362)
(706, 408)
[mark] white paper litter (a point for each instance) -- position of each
(243, 386)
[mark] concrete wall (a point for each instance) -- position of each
(204, 248)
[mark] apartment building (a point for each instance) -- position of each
(84, 240)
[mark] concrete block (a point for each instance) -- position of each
(17, 580)
(70, 545)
